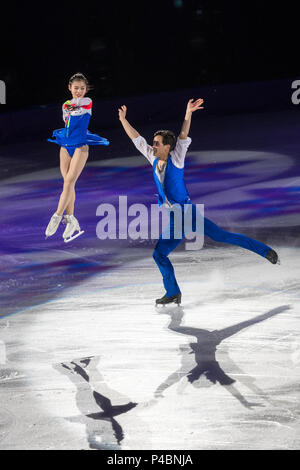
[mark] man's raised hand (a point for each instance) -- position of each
(122, 112)
(190, 108)
(194, 105)
(130, 131)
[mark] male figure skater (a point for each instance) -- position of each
(167, 156)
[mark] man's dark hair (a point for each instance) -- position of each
(168, 138)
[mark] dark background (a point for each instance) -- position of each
(129, 48)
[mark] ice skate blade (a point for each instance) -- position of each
(67, 240)
(163, 306)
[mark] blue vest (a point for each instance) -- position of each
(174, 186)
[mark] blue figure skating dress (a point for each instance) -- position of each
(76, 115)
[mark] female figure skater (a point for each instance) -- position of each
(74, 140)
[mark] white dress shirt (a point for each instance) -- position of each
(177, 156)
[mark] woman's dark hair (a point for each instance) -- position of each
(168, 138)
(80, 77)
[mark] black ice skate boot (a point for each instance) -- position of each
(272, 257)
(168, 300)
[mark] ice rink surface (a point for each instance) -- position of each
(86, 359)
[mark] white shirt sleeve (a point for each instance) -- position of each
(65, 113)
(81, 101)
(178, 154)
(141, 144)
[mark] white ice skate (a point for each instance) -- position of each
(72, 226)
(53, 225)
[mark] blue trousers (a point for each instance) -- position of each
(165, 246)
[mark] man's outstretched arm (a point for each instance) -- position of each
(140, 143)
(191, 107)
(130, 131)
